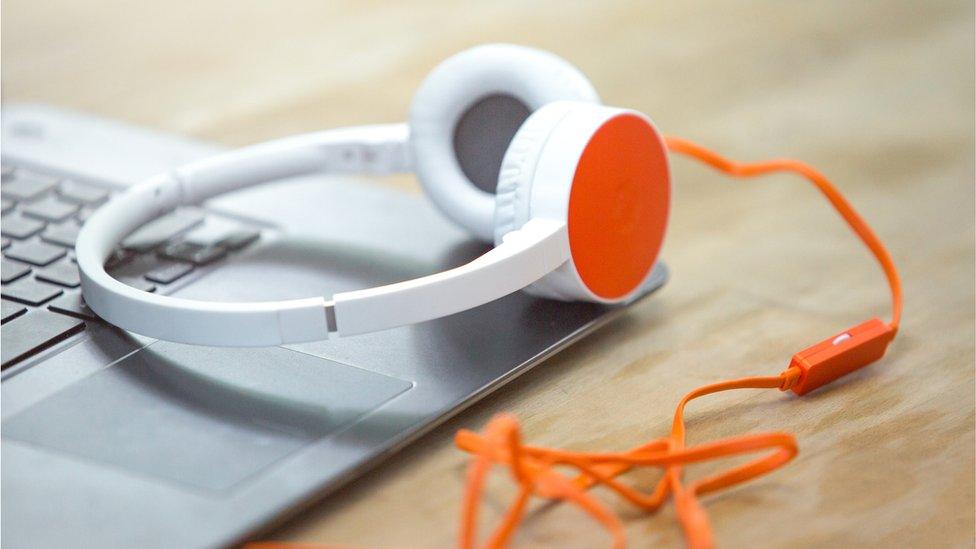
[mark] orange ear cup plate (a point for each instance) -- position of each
(618, 206)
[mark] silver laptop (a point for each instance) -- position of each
(110, 439)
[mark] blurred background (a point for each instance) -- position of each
(240, 71)
(878, 94)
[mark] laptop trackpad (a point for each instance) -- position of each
(200, 416)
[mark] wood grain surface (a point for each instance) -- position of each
(879, 95)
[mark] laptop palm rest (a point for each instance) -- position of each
(206, 418)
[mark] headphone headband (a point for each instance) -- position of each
(525, 256)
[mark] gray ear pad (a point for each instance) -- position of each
(514, 190)
(483, 134)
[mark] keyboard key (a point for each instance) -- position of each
(84, 214)
(16, 226)
(119, 258)
(62, 273)
(162, 229)
(64, 234)
(239, 239)
(196, 254)
(73, 305)
(11, 270)
(30, 291)
(5, 205)
(213, 230)
(24, 336)
(82, 194)
(169, 272)
(138, 283)
(4, 243)
(25, 186)
(35, 253)
(11, 310)
(222, 232)
(51, 209)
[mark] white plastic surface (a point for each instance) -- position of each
(525, 256)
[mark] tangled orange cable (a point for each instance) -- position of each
(534, 468)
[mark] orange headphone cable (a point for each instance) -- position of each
(843, 207)
(534, 468)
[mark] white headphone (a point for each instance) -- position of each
(579, 213)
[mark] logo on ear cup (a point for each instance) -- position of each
(624, 200)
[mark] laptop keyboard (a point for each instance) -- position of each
(41, 217)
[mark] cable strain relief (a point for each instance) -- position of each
(790, 376)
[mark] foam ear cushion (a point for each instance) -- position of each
(533, 77)
(514, 190)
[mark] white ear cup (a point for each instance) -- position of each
(533, 77)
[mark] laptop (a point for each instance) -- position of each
(111, 439)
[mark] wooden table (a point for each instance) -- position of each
(880, 95)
